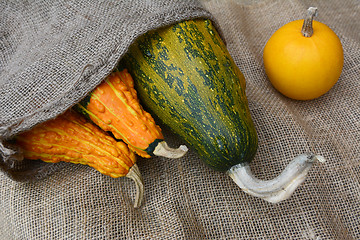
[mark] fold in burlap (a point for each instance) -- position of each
(184, 199)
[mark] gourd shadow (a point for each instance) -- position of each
(30, 170)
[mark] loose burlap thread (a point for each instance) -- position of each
(184, 199)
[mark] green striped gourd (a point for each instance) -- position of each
(185, 75)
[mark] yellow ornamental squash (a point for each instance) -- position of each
(303, 59)
(115, 107)
(71, 138)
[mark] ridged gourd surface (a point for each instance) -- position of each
(114, 107)
(70, 138)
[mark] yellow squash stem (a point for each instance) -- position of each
(71, 138)
(115, 107)
(279, 188)
(307, 28)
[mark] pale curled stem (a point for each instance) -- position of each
(307, 28)
(163, 150)
(134, 174)
(281, 187)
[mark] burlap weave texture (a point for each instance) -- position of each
(185, 199)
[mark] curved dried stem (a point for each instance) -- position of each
(163, 150)
(281, 187)
(134, 174)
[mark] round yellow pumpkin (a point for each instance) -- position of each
(303, 59)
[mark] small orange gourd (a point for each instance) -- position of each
(115, 107)
(303, 59)
(72, 138)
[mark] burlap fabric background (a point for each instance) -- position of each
(187, 200)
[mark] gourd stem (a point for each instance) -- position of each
(281, 187)
(307, 28)
(163, 150)
(134, 174)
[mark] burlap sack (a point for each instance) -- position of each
(187, 200)
(55, 53)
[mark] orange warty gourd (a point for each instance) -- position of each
(72, 138)
(303, 59)
(115, 107)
